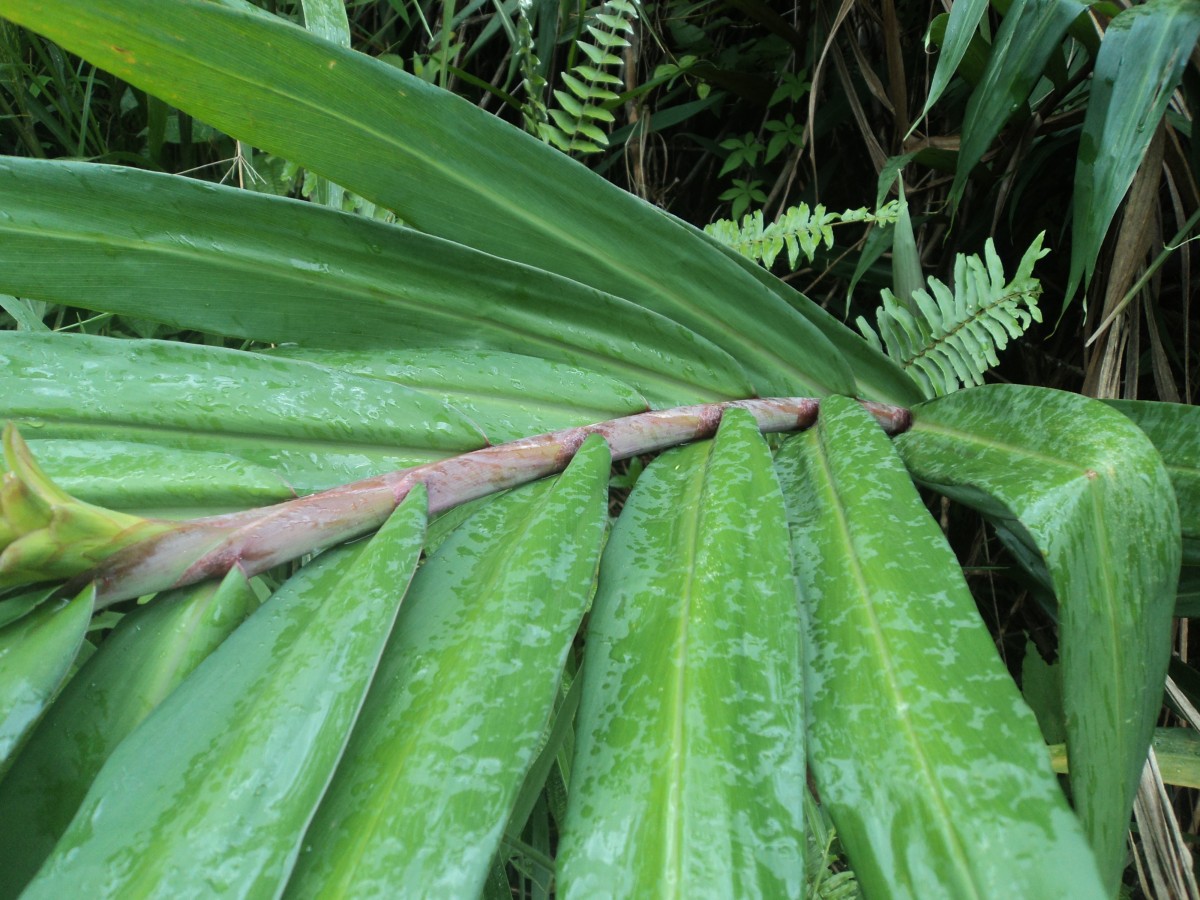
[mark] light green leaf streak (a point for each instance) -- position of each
(456, 714)
(1086, 491)
(926, 756)
(211, 794)
(689, 764)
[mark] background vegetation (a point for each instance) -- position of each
(718, 110)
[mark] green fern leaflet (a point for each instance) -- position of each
(947, 339)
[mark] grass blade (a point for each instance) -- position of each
(1140, 61)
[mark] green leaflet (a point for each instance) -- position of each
(688, 775)
(948, 337)
(36, 652)
(211, 794)
(506, 395)
(462, 697)
(1138, 66)
(232, 262)
(443, 165)
(1032, 30)
(1086, 490)
(313, 426)
(149, 652)
(1174, 429)
(922, 748)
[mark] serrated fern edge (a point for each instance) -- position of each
(947, 339)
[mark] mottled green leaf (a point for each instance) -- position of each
(233, 262)
(211, 794)
(151, 650)
(462, 697)
(927, 758)
(1138, 66)
(443, 165)
(1174, 429)
(313, 426)
(506, 395)
(36, 652)
(689, 763)
(1082, 487)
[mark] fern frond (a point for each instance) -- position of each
(533, 109)
(800, 230)
(575, 125)
(947, 339)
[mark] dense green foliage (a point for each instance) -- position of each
(252, 254)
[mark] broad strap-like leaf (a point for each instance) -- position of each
(1031, 31)
(211, 794)
(444, 166)
(1139, 64)
(507, 395)
(1082, 487)
(927, 758)
(151, 650)
(36, 653)
(232, 262)
(688, 773)
(314, 426)
(467, 683)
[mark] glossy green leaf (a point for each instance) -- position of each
(463, 694)
(211, 794)
(1174, 429)
(36, 652)
(960, 29)
(689, 764)
(316, 427)
(212, 258)
(156, 481)
(151, 650)
(1138, 66)
(1082, 487)
(443, 165)
(1032, 30)
(506, 395)
(924, 753)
